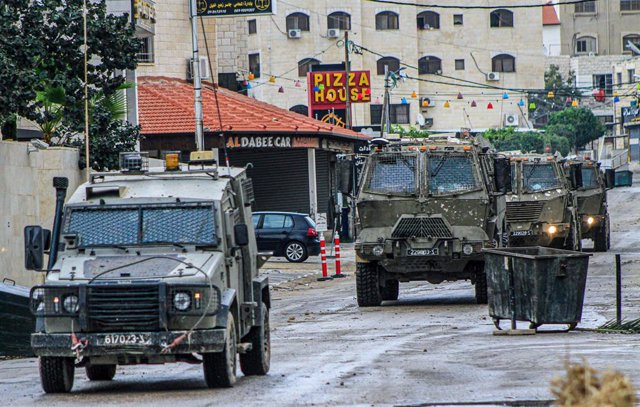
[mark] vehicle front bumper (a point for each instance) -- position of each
(93, 344)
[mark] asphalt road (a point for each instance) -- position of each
(434, 345)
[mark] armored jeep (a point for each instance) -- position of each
(541, 210)
(150, 267)
(425, 212)
(591, 201)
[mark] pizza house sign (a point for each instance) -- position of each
(328, 90)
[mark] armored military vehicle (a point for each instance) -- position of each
(591, 201)
(425, 212)
(150, 268)
(541, 210)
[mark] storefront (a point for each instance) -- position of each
(631, 124)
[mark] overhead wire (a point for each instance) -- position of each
(479, 7)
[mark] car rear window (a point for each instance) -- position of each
(310, 222)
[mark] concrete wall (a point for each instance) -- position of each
(27, 197)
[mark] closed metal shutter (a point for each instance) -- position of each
(322, 180)
(280, 178)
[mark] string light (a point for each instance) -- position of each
(551, 95)
(532, 106)
(414, 95)
(460, 96)
(521, 102)
(474, 104)
(490, 106)
(272, 79)
(574, 103)
(447, 104)
(281, 90)
(403, 101)
(251, 76)
(425, 102)
(505, 96)
(298, 84)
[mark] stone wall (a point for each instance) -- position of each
(27, 198)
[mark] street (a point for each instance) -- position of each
(434, 345)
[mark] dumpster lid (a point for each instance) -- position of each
(536, 252)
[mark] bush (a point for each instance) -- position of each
(528, 142)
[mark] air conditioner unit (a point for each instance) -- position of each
(204, 68)
(592, 54)
(493, 76)
(333, 33)
(428, 122)
(511, 119)
(294, 33)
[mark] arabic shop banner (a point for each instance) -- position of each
(327, 90)
(217, 8)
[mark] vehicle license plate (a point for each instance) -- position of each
(521, 233)
(126, 339)
(423, 252)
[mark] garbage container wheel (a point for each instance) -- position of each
(602, 237)
(368, 285)
(481, 287)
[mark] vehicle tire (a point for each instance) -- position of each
(295, 252)
(56, 374)
(100, 372)
(391, 291)
(482, 296)
(220, 367)
(257, 361)
(367, 285)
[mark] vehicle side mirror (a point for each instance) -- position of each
(241, 234)
(575, 176)
(345, 176)
(610, 178)
(502, 171)
(36, 242)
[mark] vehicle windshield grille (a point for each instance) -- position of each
(539, 177)
(123, 308)
(394, 174)
(589, 178)
(451, 174)
(135, 225)
(421, 227)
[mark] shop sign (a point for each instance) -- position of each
(630, 114)
(305, 142)
(217, 8)
(340, 146)
(272, 142)
(144, 12)
(327, 90)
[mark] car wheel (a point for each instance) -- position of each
(295, 252)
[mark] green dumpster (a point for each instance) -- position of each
(624, 178)
(536, 284)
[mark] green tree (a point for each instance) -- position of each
(411, 132)
(578, 125)
(507, 139)
(564, 92)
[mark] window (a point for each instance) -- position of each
(503, 63)
(273, 221)
(428, 20)
(629, 5)
(589, 177)
(228, 81)
(393, 173)
(458, 19)
(393, 63)
(539, 177)
(254, 64)
(387, 20)
(619, 78)
(255, 219)
(398, 114)
(632, 74)
(146, 51)
(459, 64)
(585, 45)
(501, 18)
(429, 65)
(300, 109)
(298, 21)
(253, 26)
(339, 20)
(604, 81)
(586, 7)
(451, 174)
(288, 222)
(631, 38)
(305, 65)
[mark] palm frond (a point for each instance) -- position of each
(628, 326)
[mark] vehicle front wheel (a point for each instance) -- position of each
(220, 367)
(391, 291)
(100, 372)
(295, 252)
(368, 285)
(257, 361)
(56, 374)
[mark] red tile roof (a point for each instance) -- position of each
(166, 106)
(549, 15)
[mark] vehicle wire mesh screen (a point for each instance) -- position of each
(103, 227)
(539, 177)
(393, 173)
(187, 225)
(589, 178)
(450, 174)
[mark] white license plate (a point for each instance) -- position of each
(126, 339)
(521, 233)
(423, 252)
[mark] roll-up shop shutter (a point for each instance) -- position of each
(280, 178)
(322, 181)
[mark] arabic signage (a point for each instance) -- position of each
(217, 8)
(631, 115)
(327, 90)
(262, 142)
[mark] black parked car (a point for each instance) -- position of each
(292, 235)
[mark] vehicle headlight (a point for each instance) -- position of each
(467, 249)
(182, 301)
(377, 250)
(71, 304)
(552, 230)
(590, 220)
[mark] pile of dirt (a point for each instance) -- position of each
(586, 387)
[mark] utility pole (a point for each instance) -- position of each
(386, 108)
(347, 69)
(197, 84)
(85, 11)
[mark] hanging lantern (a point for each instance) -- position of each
(638, 86)
(569, 100)
(532, 106)
(599, 95)
(474, 104)
(367, 91)
(360, 96)
(321, 87)
(281, 90)
(272, 79)
(505, 96)
(521, 103)
(403, 101)
(316, 89)
(377, 102)
(574, 103)
(616, 99)
(298, 84)
(425, 102)
(633, 103)
(551, 95)
(249, 85)
(414, 95)
(447, 104)
(490, 106)
(245, 83)
(616, 94)
(251, 76)
(459, 97)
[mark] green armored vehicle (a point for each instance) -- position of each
(150, 267)
(541, 209)
(425, 212)
(591, 201)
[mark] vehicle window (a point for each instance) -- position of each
(273, 221)
(183, 225)
(255, 219)
(288, 222)
(539, 177)
(514, 178)
(393, 174)
(103, 227)
(310, 221)
(451, 174)
(589, 178)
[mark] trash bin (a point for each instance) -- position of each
(17, 323)
(547, 285)
(624, 178)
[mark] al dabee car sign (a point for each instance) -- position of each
(217, 8)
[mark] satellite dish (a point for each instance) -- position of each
(420, 119)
